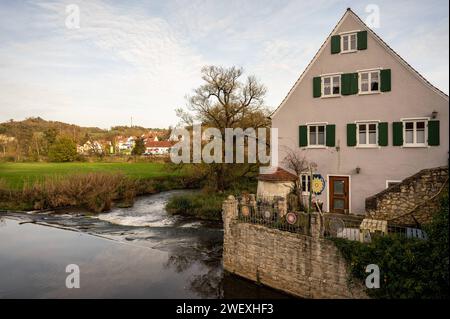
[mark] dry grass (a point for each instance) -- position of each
(94, 191)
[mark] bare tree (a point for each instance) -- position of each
(225, 100)
(296, 161)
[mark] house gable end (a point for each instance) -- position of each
(351, 22)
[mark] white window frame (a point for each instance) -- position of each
(330, 76)
(391, 181)
(349, 35)
(307, 183)
(369, 79)
(358, 144)
(415, 120)
(324, 145)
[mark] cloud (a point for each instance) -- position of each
(114, 64)
(141, 58)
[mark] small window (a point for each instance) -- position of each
(369, 82)
(349, 42)
(390, 183)
(306, 183)
(316, 135)
(414, 132)
(367, 134)
(331, 85)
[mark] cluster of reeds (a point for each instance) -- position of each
(94, 191)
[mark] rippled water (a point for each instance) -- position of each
(137, 252)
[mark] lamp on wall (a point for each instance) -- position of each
(358, 169)
(434, 114)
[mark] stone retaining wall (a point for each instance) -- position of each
(304, 266)
(412, 201)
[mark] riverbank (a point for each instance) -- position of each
(93, 186)
(207, 204)
(16, 175)
(200, 205)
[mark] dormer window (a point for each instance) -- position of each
(331, 85)
(349, 42)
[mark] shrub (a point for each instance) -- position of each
(409, 268)
(63, 150)
(94, 191)
(199, 205)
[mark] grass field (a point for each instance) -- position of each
(16, 174)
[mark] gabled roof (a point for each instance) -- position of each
(378, 38)
(159, 144)
(280, 175)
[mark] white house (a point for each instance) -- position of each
(364, 115)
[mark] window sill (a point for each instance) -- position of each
(350, 51)
(317, 147)
(369, 147)
(369, 93)
(330, 96)
(416, 146)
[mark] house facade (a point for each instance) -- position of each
(364, 116)
(125, 145)
(157, 147)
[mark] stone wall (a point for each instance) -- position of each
(412, 201)
(304, 266)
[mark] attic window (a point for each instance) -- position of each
(349, 42)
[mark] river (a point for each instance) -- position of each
(137, 252)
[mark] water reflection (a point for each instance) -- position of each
(165, 257)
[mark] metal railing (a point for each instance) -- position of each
(274, 212)
(270, 215)
(349, 227)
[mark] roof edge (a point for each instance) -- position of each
(379, 39)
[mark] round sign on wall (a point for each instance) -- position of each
(245, 211)
(291, 218)
(317, 184)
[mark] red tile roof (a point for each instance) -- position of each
(280, 175)
(159, 144)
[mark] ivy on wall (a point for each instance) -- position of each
(409, 268)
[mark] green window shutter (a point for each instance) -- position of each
(433, 133)
(385, 77)
(362, 40)
(331, 135)
(351, 134)
(383, 134)
(335, 44)
(397, 133)
(349, 83)
(303, 135)
(317, 86)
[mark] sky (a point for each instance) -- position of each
(140, 59)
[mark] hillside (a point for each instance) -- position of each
(36, 124)
(31, 137)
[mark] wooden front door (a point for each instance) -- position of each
(339, 194)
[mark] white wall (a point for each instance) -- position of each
(409, 97)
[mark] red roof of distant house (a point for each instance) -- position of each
(280, 175)
(159, 144)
